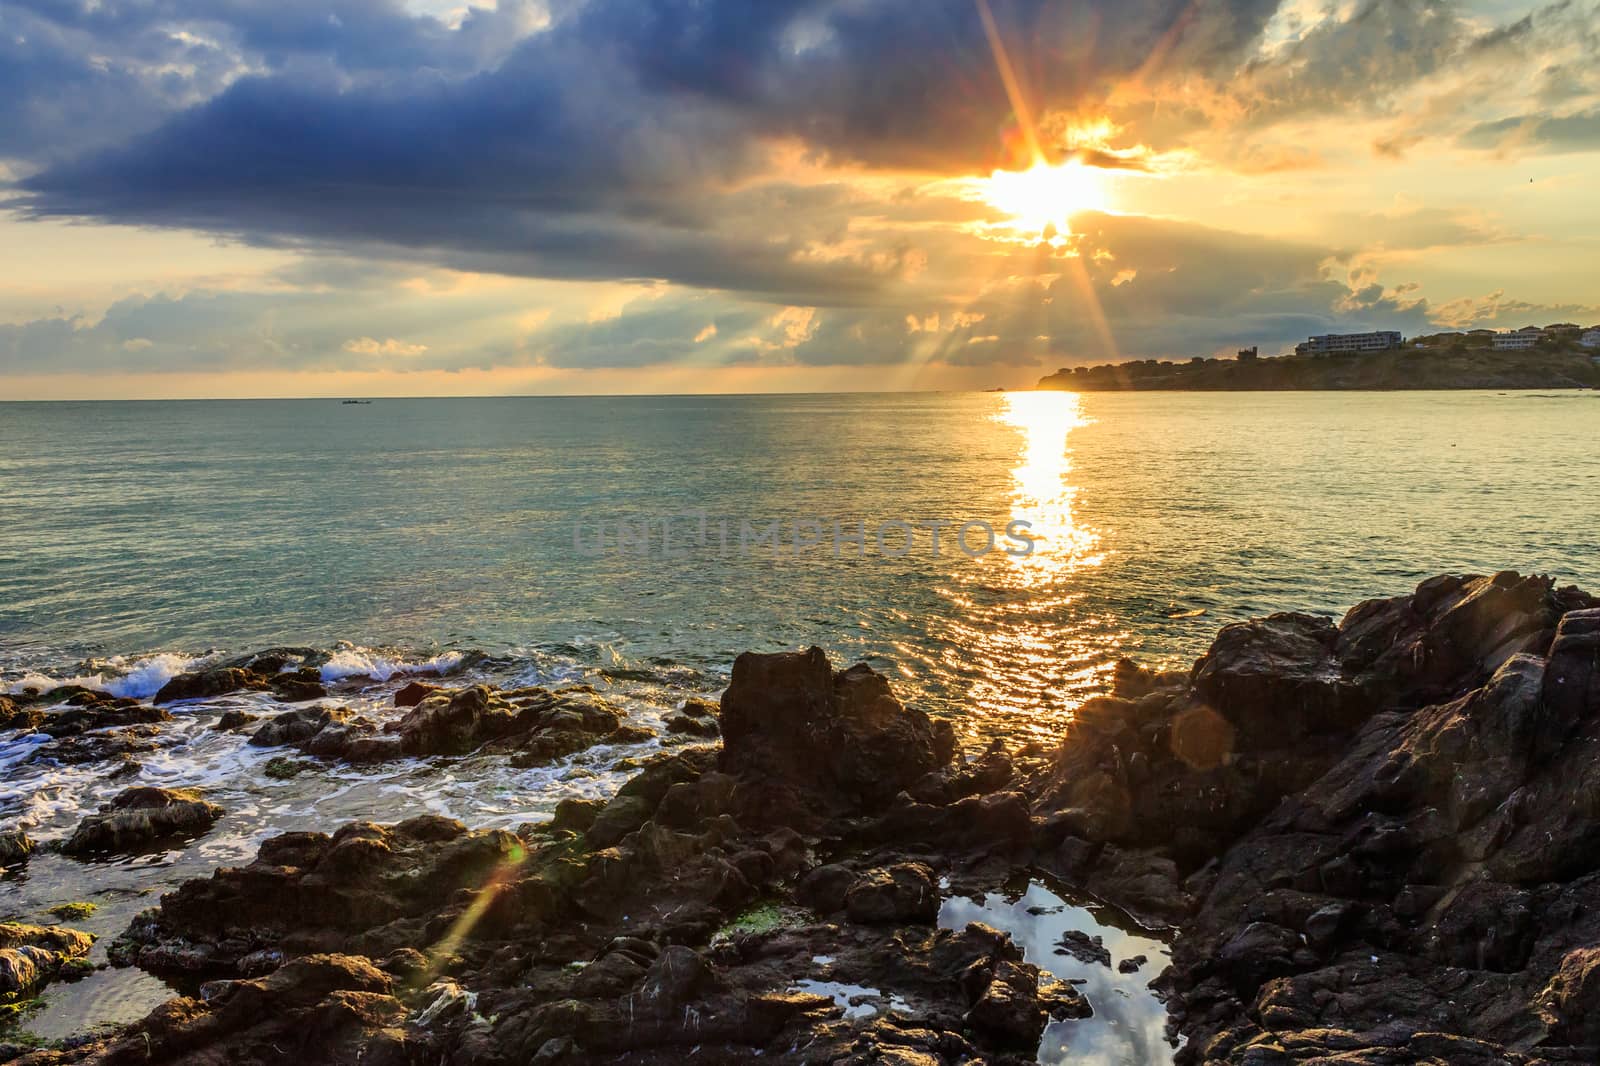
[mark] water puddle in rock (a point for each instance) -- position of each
(857, 1001)
(1129, 1023)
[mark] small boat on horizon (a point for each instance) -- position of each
(349, 402)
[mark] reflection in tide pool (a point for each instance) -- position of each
(1129, 1023)
(1018, 628)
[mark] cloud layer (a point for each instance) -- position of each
(775, 176)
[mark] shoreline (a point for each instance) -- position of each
(1451, 369)
(1384, 807)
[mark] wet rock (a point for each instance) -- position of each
(1258, 951)
(298, 726)
(405, 963)
(684, 724)
(282, 768)
(901, 893)
(809, 738)
(236, 720)
(12, 716)
(415, 692)
(321, 1008)
(1084, 948)
(628, 733)
(111, 746)
(990, 772)
(1012, 1016)
(33, 955)
(141, 816)
(453, 723)
(206, 684)
(298, 689)
(696, 707)
(103, 714)
(577, 814)
(1378, 840)
(1145, 883)
(367, 888)
(1132, 965)
(15, 847)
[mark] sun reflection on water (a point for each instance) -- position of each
(1041, 496)
(1018, 633)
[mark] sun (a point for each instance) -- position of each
(1044, 198)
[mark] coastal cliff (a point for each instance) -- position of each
(1375, 841)
(1401, 369)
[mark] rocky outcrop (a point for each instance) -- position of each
(15, 847)
(320, 1008)
(368, 889)
(414, 692)
(140, 817)
(1370, 835)
(33, 955)
(901, 893)
(207, 684)
(532, 725)
(1377, 839)
(85, 710)
(812, 739)
(674, 919)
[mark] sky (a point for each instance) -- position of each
(207, 198)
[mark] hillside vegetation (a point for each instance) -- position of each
(1403, 368)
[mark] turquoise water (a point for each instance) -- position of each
(187, 527)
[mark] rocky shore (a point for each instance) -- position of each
(1373, 841)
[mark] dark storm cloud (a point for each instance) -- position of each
(75, 76)
(601, 146)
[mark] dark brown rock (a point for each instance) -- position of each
(415, 692)
(15, 847)
(298, 726)
(294, 689)
(901, 893)
(138, 817)
(209, 683)
(33, 955)
(790, 724)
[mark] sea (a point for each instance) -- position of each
(993, 553)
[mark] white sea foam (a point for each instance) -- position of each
(354, 661)
(138, 678)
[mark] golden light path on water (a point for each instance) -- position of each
(1017, 631)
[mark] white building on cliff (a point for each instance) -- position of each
(1350, 343)
(1518, 339)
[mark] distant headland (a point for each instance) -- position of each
(1562, 356)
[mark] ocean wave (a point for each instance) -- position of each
(133, 677)
(354, 661)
